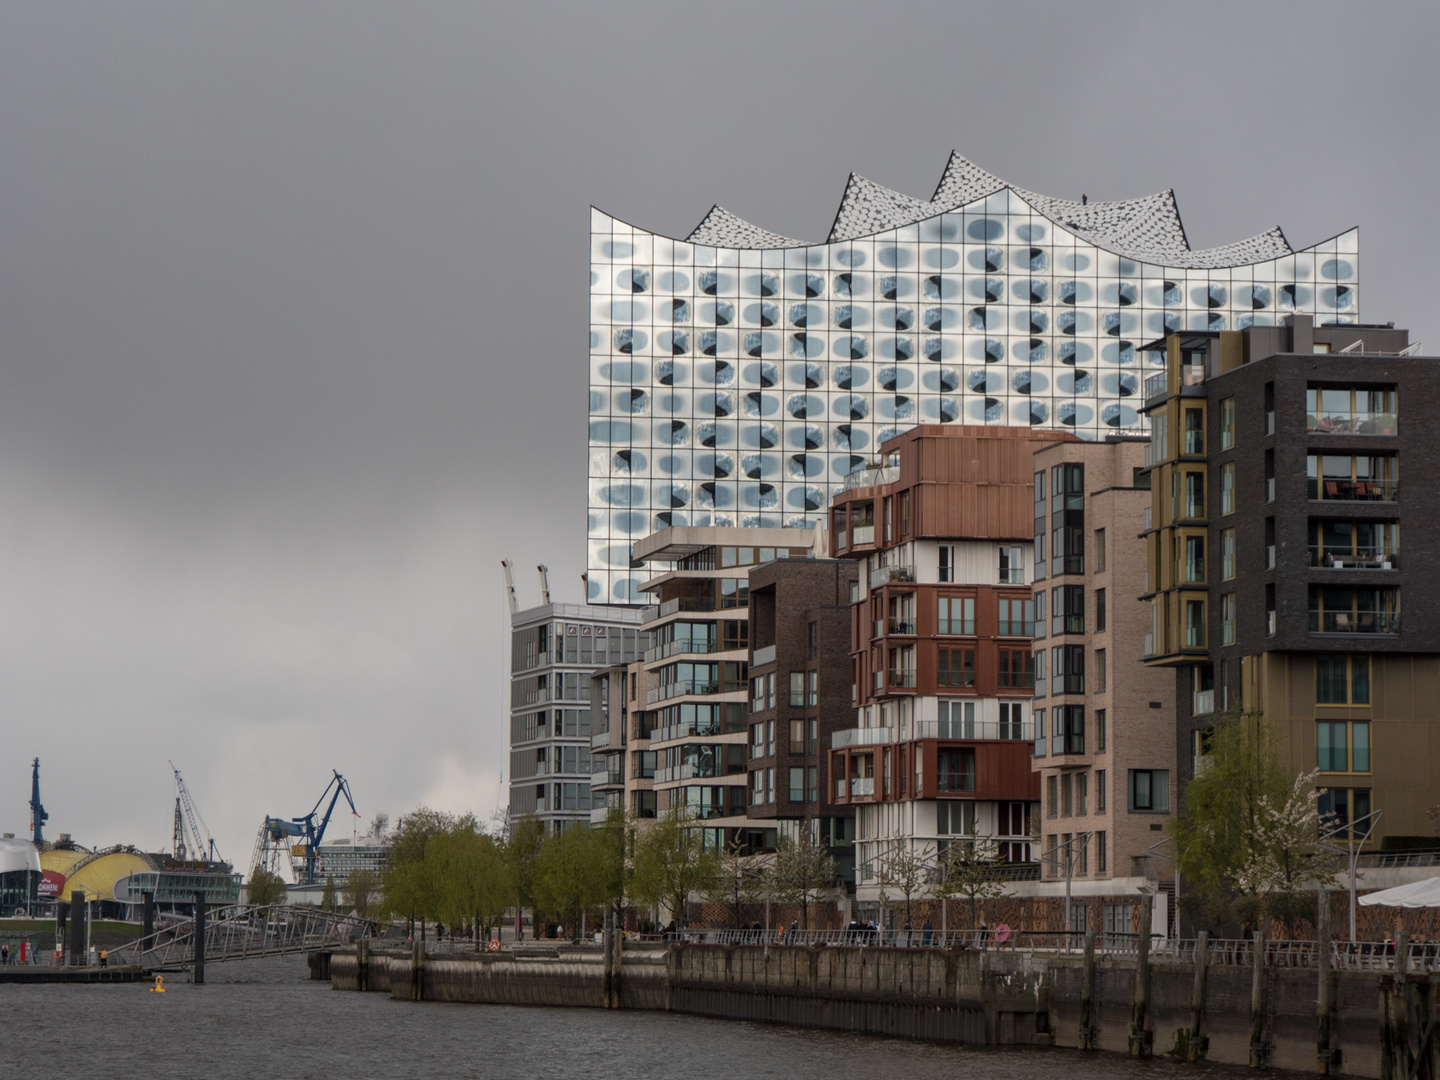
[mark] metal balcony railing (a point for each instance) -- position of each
(1357, 558)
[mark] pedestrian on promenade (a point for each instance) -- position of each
(927, 932)
(4, 954)
(984, 935)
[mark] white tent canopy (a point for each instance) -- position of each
(1418, 894)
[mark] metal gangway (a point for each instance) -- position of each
(243, 932)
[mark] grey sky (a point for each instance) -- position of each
(293, 313)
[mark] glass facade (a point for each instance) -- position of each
(737, 376)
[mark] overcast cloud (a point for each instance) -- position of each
(293, 306)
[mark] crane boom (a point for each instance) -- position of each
(510, 587)
(203, 846)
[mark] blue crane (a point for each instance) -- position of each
(304, 855)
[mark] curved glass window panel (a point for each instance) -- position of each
(807, 345)
(803, 315)
(994, 350)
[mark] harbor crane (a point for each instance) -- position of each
(38, 816)
(302, 834)
(191, 839)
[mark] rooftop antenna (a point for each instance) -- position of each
(38, 816)
(544, 584)
(510, 587)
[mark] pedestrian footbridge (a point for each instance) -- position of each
(242, 932)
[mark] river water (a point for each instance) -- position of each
(267, 1019)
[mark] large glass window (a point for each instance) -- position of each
(1017, 617)
(1194, 430)
(1354, 545)
(955, 771)
(1342, 679)
(1227, 488)
(1342, 746)
(1067, 609)
(1067, 519)
(956, 615)
(1194, 624)
(1193, 562)
(1227, 423)
(1354, 611)
(1339, 807)
(1149, 791)
(1351, 411)
(1068, 664)
(956, 667)
(1356, 478)
(1227, 554)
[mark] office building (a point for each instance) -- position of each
(737, 376)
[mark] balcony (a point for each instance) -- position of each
(681, 689)
(900, 678)
(1353, 490)
(962, 783)
(1356, 558)
(607, 776)
(763, 656)
(1155, 385)
(887, 575)
(1012, 576)
(1349, 622)
(599, 740)
(676, 648)
(1358, 422)
(862, 534)
(680, 603)
(904, 627)
(861, 786)
(975, 729)
(874, 736)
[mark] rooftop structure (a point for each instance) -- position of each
(737, 375)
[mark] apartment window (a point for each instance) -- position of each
(1354, 611)
(1099, 611)
(1068, 730)
(1040, 614)
(1012, 566)
(1099, 671)
(797, 784)
(1227, 554)
(1040, 733)
(1342, 679)
(956, 668)
(1052, 798)
(1100, 853)
(770, 690)
(757, 695)
(1012, 720)
(1340, 807)
(1227, 619)
(1067, 807)
(1350, 411)
(947, 563)
(1082, 794)
(1227, 488)
(904, 513)
(1342, 746)
(1067, 609)
(889, 513)
(1227, 423)
(1068, 669)
(1067, 519)
(769, 738)
(1017, 617)
(770, 784)
(1194, 624)
(812, 631)
(1149, 791)
(757, 741)
(1354, 545)
(1099, 551)
(812, 688)
(797, 736)
(812, 783)
(955, 771)
(797, 689)
(1099, 791)
(956, 615)
(1194, 431)
(1099, 731)
(955, 818)
(1017, 669)
(1192, 562)
(1365, 478)
(1195, 495)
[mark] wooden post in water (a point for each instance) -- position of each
(1194, 1050)
(1324, 991)
(1400, 1007)
(1141, 1039)
(607, 945)
(199, 974)
(1087, 996)
(362, 964)
(417, 971)
(1257, 1005)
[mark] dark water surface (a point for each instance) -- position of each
(265, 1018)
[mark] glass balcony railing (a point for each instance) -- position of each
(677, 648)
(887, 575)
(1352, 622)
(763, 656)
(682, 688)
(1203, 703)
(1355, 558)
(863, 534)
(975, 729)
(962, 783)
(1155, 385)
(861, 786)
(873, 736)
(1352, 423)
(900, 677)
(1354, 490)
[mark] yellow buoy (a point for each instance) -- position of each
(159, 987)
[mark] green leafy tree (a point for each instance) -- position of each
(524, 840)
(969, 869)
(265, 887)
(672, 864)
(362, 889)
(741, 882)
(409, 885)
(803, 872)
(329, 899)
(903, 872)
(575, 872)
(473, 880)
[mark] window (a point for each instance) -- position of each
(1067, 519)
(1350, 412)
(1227, 619)
(770, 784)
(904, 513)
(1040, 614)
(1192, 564)
(1067, 609)
(1100, 853)
(1017, 670)
(1354, 611)
(957, 615)
(1067, 807)
(1099, 551)
(1012, 566)
(955, 771)
(1100, 791)
(797, 785)
(1227, 423)
(955, 818)
(947, 563)
(1194, 624)
(1052, 798)
(1364, 478)
(889, 515)
(812, 783)
(1099, 685)
(812, 631)
(1354, 545)
(1040, 733)
(797, 736)
(1082, 794)
(757, 741)
(1340, 807)
(1194, 431)
(1099, 611)
(797, 689)
(1195, 495)
(1227, 488)
(1068, 669)
(1150, 791)
(770, 690)
(812, 688)
(1099, 731)
(1227, 554)
(956, 668)
(1342, 679)
(1017, 617)
(1068, 730)
(1012, 720)
(1342, 746)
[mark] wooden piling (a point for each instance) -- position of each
(362, 965)
(1141, 1039)
(1194, 1041)
(1258, 1051)
(1087, 1039)
(1400, 1008)
(1325, 990)
(417, 971)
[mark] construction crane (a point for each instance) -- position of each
(544, 583)
(510, 587)
(38, 816)
(198, 844)
(276, 833)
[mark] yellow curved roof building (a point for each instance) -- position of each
(61, 860)
(95, 877)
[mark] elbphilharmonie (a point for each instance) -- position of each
(738, 376)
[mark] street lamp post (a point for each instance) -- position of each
(1354, 841)
(1071, 853)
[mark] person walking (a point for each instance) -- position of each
(984, 935)
(927, 932)
(5, 954)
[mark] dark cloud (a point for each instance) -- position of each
(292, 316)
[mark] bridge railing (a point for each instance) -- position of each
(243, 931)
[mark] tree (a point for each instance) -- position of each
(361, 889)
(471, 876)
(1282, 855)
(408, 884)
(265, 887)
(804, 871)
(523, 841)
(328, 899)
(903, 873)
(741, 882)
(969, 869)
(574, 873)
(671, 864)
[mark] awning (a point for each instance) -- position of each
(1418, 894)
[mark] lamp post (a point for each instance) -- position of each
(1072, 851)
(1351, 850)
